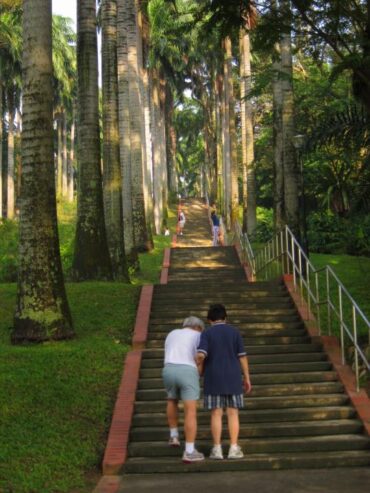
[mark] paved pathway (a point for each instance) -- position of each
(355, 480)
(197, 230)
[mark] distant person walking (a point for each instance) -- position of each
(181, 221)
(221, 354)
(181, 380)
(215, 228)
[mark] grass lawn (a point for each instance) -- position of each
(56, 399)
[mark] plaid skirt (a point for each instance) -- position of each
(223, 401)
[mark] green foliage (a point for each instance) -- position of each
(8, 251)
(328, 233)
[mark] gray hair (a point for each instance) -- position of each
(193, 322)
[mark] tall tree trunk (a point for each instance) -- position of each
(279, 214)
(249, 177)
(171, 141)
(42, 311)
(91, 256)
(11, 168)
(59, 155)
(291, 204)
(227, 151)
(124, 134)
(162, 127)
(143, 35)
(1, 144)
(71, 160)
(138, 206)
(219, 134)
(64, 157)
(112, 168)
(157, 165)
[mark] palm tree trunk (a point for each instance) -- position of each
(249, 177)
(226, 134)
(64, 157)
(142, 35)
(42, 311)
(91, 256)
(59, 155)
(291, 204)
(111, 168)
(124, 134)
(234, 191)
(71, 160)
(11, 174)
(138, 207)
(157, 165)
(279, 215)
(1, 144)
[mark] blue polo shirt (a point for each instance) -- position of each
(222, 345)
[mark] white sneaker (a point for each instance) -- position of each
(174, 442)
(195, 456)
(216, 453)
(235, 452)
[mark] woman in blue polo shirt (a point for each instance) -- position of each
(221, 355)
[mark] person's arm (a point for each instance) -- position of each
(199, 359)
(245, 369)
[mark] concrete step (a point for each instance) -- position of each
(233, 311)
(280, 402)
(290, 415)
(249, 327)
(272, 349)
(232, 319)
(259, 390)
(262, 379)
(196, 304)
(160, 332)
(259, 368)
(268, 359)
(293, 429)
(254, 446)
(304, 460)
(156, 343)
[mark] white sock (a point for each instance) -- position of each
(218, 446)
(233, 445)
(189, 447)
(174, 432)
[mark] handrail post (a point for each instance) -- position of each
(357, 371)
(293, 264)
(328, 300)
(287, 249)
(308, 289)
(318, 307)
(341, 324)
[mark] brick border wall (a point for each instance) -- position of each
(142, 317)
(108, 484)
(359, 400)
(165, 266)
(116, 449)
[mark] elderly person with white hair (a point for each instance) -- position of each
(181, 380)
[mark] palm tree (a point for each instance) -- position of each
(91, 256)
(291, 205)
(124, 134)
(249, 178)
(42, 311)
(136, 122)
(111, 168)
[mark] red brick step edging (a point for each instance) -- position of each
(142, 317)
(116, 449)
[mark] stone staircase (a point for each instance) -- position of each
(297, 415)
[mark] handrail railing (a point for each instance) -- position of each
(284, 255)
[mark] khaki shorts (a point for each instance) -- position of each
(181, 382)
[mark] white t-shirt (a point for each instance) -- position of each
(181, 346)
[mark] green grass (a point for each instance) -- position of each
(56, 399)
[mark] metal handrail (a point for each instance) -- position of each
(284, 255)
